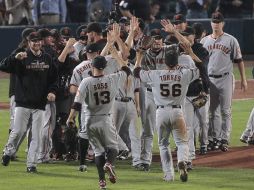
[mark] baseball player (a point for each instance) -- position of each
(36, 83)
(154, 58)
(169, 87)
(192, 113)
(248, 134)
(49, 115)
(80, 72)
(97, 94)
(21, 47)
(224, 50)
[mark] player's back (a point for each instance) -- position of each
(99, 93)
(170, 86)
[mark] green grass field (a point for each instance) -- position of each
(65, 176)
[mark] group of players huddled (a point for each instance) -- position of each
(103, 82)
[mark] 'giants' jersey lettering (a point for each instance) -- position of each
(218, 46)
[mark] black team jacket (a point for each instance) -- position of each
(36, 76)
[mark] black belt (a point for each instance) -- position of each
(49, 14)
(173, 106)
(123, 99)
(219, 76)
(149, 89)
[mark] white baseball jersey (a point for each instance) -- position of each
(222, 52)
(82, 70)
(97, 94)
(186, 61)
(169, 86)
(128, 87)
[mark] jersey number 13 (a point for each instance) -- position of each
(102, 97)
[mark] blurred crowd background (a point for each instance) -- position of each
(37, 12)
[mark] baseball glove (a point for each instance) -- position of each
(199, 101)
(145, 43)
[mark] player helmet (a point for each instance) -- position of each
(99, 62)
(171, 56)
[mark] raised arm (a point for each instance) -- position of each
(67, 50)
(134, 24)
(168, 27)
(124, 49)
(188, 50)
(109, 44)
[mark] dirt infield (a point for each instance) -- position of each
(235, 157)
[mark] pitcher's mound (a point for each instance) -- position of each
(235, 157)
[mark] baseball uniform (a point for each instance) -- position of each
(151, 61)
(125, 117)
(223, 51)
(169, 88)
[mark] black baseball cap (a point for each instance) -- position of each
(34, 36)
(170, 39)
(94, 27)
(44, 32)
(66, 32)
(156, 33)
(124, 20)
(91, 48)
(188, 31)
(81, 30)
(198, 28)
(26, 32)
(99, 62)
(178, 19)
(217, 17)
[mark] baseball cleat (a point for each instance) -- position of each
(168, 178)
(210, 146)
(224, 145)
(146, 167)
(31, 169)
(102, 184)
(183, 171)
(216, 144)
(189, 166)
(202, 151)
(111, 174)
(250, 141)
(244, 139)
(82, 168)
(6, 160)
(138, 167)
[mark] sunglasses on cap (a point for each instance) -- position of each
(157, 37)
(35, 40)
(83, 37)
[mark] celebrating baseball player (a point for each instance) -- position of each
(98, 95)
(36, 83)
(169, 88)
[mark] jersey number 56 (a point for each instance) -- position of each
(175, 91)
